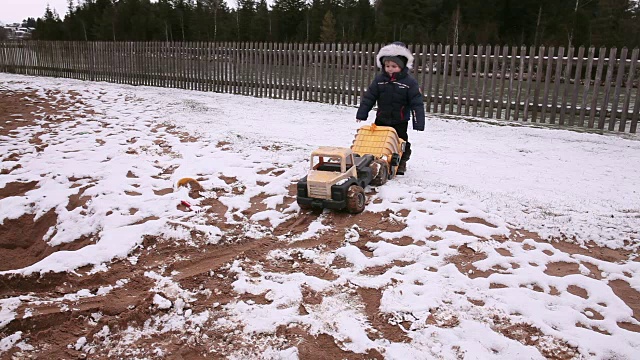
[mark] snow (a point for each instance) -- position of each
(558, 183)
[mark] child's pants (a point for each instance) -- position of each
(401, 129)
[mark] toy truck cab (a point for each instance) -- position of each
(336, 180)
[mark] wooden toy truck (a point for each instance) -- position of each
(338, 176)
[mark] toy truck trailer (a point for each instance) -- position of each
(337, 176)
(384, 144)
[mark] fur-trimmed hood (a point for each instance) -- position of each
(395, 49)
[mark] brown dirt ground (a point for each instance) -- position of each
(50, 330)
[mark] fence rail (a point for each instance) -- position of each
(590, 88)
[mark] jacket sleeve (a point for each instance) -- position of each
(417, 106)
(368, 100)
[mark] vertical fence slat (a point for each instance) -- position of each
(256, 71)
(494, 75)
(284, 73)
(167, 64)
(429, 71)
(267, 70)
(133, 63)
(556, 86)
(354, 80)
(463, 60)
(576, 86)
(236, 70)
(596, 86)
(3, 59)
(373, 70)
(296, 70)
(303, 63)
(636, 111)
(201, 61)
(523, 54)
(289, 72)
(324, 88)
(616, 95)
(214, 61)
(512, 75)
(445, 78)
(301, 89)
(454, 74)
(324, 59)
(262, 69)
(333, 66)
(279, 71)
(143, 68)
(339, 70)
(222, 66)
(363, 62)
(536, 92)
(470, 81)
(478, 66)
(210, 66)
(244, 64)
(293, 71)
(628, 87)
(587, 84)
(117, 59)
(532, 59)
(141, 58)
(77, 63)
(321, 72)
(566, 85)
(313, 75)
(485, 78)
(439, 68)
(547, 80)
(423, 67)
(503, 71)
(607, 88)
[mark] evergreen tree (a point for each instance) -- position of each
(328, 33)
(288, 15)
(49, 27)
(246, 13)
(261, 30)
(508, 22)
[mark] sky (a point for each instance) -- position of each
(17, 10)
(543, 180)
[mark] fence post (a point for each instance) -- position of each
(628, 88)
(616, 95)
(607, 90)
(576, 85)
(587, 83)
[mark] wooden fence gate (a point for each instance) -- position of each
(589, 88)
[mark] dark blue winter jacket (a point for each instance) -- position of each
(397, 99)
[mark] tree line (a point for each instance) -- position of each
(506, 22)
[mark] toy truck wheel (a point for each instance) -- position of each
(383, 173)
(304, 206)
(355, 199)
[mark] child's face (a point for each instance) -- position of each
(391, 68)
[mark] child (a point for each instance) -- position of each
(397, 94)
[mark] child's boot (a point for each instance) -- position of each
(402, 167)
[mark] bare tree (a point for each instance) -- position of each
(214, 5)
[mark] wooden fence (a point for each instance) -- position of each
(590, 88)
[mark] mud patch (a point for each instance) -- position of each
(17, 189)
(22, 244)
